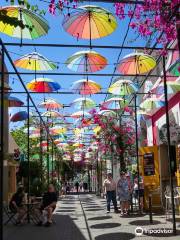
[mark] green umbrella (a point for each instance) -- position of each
(23, 23)
(175, 68)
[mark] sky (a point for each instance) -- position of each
(58, 35)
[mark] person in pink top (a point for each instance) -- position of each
(109, 187)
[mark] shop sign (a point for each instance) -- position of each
(149, 166)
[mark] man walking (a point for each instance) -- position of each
(109, 187)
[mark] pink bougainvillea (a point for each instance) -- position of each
(153, 17)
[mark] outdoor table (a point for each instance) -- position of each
(29, 211)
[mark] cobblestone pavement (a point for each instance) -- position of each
(84, 217)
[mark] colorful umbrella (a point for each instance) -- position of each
(86, 61)
(115, 103)
(136, 63)
(32, 130)
(107, 113)
(175, 68)
(143, 112)
(35, 61)
(85, 87)
(57, 130)
(23, 23)
(89, 22)
(172, 87)
(123, 87)
(51, 114)
(83, 103)
(50, 104)
(151, 103)
(19, 116)
(80, 114)
(43, 85)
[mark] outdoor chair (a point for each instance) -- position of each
(167, 195)
(8, 215)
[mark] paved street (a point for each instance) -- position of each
(84, 217)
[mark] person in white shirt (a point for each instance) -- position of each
(109, 187)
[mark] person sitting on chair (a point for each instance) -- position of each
(16, 204)
(48, 205)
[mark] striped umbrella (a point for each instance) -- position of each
(83, 103)
(80, 114)
(86, 61)
(115, 103)
(50, 104)
(13, 101)
(43, 85)
(89, 22)
(35, 61)
(123, 87)
(85, 87)
(22, 23)
(151, 103)
(51, 114)
(136, 63)
(57, 130)
(172, 87)
(175, 68)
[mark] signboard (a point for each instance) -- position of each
(149, 166)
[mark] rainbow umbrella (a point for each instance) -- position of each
(51, 114)
(143, 112)
(43, 85)
(175, 68)
(136, 63)
(89, 22)
(32, 130)
(58, 130)
(172, 87)
(19, 116)
(80, 114)
(115, 103)
(123, 87)
(85, 87)
(86, 61)
(83, 103)
(108, 113)
(50, 104)
(151, 103)
(35, 61)
(22, 23)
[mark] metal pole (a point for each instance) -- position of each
(169, 147)
(52, 153)
(112, 161)
(48, 156)
(41, 152)
(28, 157)
(137, 147)
(2, 143)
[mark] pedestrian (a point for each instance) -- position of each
(77, 186)
(139, 191)
(123, 193)
(109, 188)
(16, 204)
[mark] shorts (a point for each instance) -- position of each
(141, 193)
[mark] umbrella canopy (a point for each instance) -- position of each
(172, 87)
(19, 116)
(51, 114)
(14, 101)
(123, 87)
(89, 22)
(136, 63)
(43, 85)
(151, 103)
(175, 68)
(80, 114)
(50, 104)
(143, 112)
(31, 25)
(57, 130)
(108, 113)
(36, 62)
(85, 87)
(86, 61)
(83, 103)
(115, 103)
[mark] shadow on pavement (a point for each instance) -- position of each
(105, 225)
(100, 218)
(116, 236)
(144, 222)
